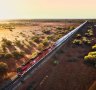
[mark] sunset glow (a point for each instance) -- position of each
(12, 9)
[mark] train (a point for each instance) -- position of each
(25, 68)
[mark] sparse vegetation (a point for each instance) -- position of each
(36, 39)
(6, 42)
(3, 68)
(94, 47)
(89, 33)
(45, 42)
(77, 42)
(90, 58)
(78, 36)
(46, 31)
(34, 54)
(8, 55)
(86, 41)
(17, 54)
(40, 46)
(18, 43)
(50, 37)
(24, 38)
(55, 62)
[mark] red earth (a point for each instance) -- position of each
(71, 73)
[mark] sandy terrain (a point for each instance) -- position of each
(24, 32)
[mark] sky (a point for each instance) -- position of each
(47, 9)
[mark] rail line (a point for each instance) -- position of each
(30, 66)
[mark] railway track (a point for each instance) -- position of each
(16, 82)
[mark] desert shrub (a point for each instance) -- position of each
(8, 55)
(63, 32)
(94, 47)
(45, 42)
(18, 54)
(34, 54)
(91, 57)
(21, 53)
(59, 28)
(90, 30)
(3, 47)
(46, 31)
(55, 62)
(6, 42)
(71, 28)
(78, 36)
(57, 37)
(41, 46)
(18, 43)
(36, 39)
(30, 41)
(50, 37)
(89, 33)
(77, 42)
(3, 68)
(89, 27)
(86, 41)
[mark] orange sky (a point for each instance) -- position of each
(11, 9)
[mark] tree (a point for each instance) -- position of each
(3, 68)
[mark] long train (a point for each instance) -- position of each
(21, 70)
(24, 68)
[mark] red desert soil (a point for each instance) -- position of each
(70, 74)
(28, 31)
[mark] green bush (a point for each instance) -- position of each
(89, 33)
(94, 47)
(78, 36)
(86, 41)
(77, 42)
(91, 57)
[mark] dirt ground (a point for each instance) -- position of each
(70, 74)
(28, 31)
